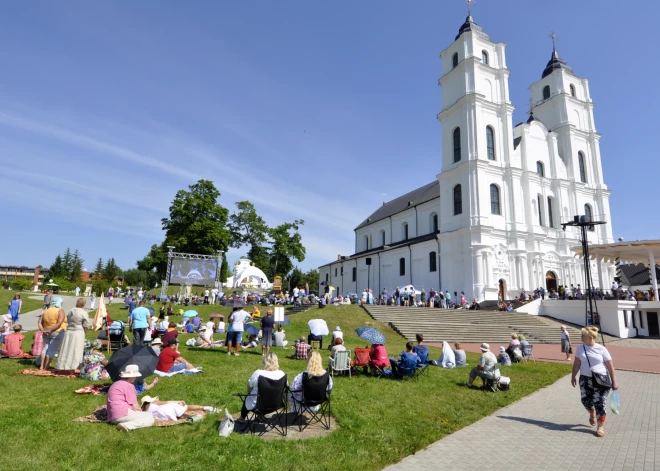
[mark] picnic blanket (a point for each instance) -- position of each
(51, 373)
(100, 415)
(96, 389)
(23, 357)
(183, 372)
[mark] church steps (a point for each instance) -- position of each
(465, 325)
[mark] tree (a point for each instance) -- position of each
(76, 268)
(57, 268)
(224, 269)
(98, 269)
(300, 279)
(67, 262)
(286, 245)
(136, 277)
(197, 224)
(248, 228)
(111, 270)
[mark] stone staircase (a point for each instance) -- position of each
(467, 326)
(299, 309)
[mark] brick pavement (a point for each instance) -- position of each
(550, 430)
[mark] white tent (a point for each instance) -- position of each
(250, 273)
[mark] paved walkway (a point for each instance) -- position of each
(549, 430)
(30, 320)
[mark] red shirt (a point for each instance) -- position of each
(166, 359)
(169, 334)
(12, 344)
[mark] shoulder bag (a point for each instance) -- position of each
(602, 380)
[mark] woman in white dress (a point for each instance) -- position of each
(73, 345)
(170, 410)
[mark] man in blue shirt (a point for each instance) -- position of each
(131, 306)
(139, 320)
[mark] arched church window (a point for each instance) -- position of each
(484, 57)
(495, 200)
(366, 242)
(402, 266)
(573, 90)
(457, 144)
(546, 92)
(458, 200)
(454, 60)
(433, 261)
(583, 171)
(404, 231)
(551, 221)
(382, 237)
(434, 222)
(540, 169)
(588, 215)
(490, 143)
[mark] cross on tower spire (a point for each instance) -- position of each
(554, 38)
(469, 4)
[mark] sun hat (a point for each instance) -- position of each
(202, 328)
(130, 371)
(485, 347)
(148, 399)
(502, 350)
(337, 328)
(156, 342)
(7, 317)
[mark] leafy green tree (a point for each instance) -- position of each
(197, 224)
(76, 268)
(137, 277)
(224, 269)
(67, 262)
(248, 228)
(20, 284)
(286, 245)
(57, 269)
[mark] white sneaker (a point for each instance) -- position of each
(236, 354)
(228, 353)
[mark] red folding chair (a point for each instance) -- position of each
(361, 359)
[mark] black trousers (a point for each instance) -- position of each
(138, 336)
(311, 337)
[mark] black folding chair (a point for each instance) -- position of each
(271, 399)
(116, 340)
(314, 393)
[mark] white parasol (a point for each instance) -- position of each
(100, 315)
(318, 327)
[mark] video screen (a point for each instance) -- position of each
(193, 272)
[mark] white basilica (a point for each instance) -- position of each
(491, 222)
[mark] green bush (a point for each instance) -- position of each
(100, 286)
(21, 284)
(64, 285)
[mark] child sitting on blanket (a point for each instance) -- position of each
(252, 343)
(13, 346)
(170, 410)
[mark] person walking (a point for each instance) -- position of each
(566, 343)
(14, 308)
(597, 377)
(73, 345)
(139, 320)
(92, 302)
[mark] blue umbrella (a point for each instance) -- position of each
(285, 321)
(250, 329)
(371, 335)
(190, 313)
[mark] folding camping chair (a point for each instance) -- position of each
(340, 363)
(361, 358)
(423, 366)
(492, 384)
(403, 370)
(315, 395)
(271, 399)
(527, 352)
(315, 344)
(116, 336)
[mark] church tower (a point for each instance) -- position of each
(561, 101)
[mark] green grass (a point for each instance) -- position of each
(28, 304)
(380, 420)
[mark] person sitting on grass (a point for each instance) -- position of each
(252, 343)
(504, 357)
(13, 346)
(302, 349)
(170, 333)
(94, 361)
(155, 345)
(141, 385)
(170, 360)
(204, 338)
(314, 369)
(123, 409)
(486, 367)
(170, 410)
(256, 313)
(459, 355)
(270, 368)
(420, 349)
(280, 338)
(188, 328)
(378, 357)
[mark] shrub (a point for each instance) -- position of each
(21, 284)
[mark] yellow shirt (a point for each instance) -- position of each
(50, 317)
(256, 312)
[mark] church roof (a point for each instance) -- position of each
(637, 274)
(407, 201)
(556, 63)
(470, 25)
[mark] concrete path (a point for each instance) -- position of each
(550, 430)
(30, 320)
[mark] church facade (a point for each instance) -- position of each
(491, 223)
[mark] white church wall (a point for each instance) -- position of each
(424, 212)
(611, 314)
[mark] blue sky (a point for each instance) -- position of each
(310, 110)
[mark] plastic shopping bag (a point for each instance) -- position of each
(615, 402)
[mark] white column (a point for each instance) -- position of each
(542, 273)
(600, 275)
(654, 278)
(525, 272)
(478, 274)
(513, 267)
(489, 269)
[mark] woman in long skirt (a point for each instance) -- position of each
(73, 346)
(592, 358)
(566, 343)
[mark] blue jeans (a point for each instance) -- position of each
(178, 367)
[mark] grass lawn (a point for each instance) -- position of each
(380, 420)
(28, 304)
